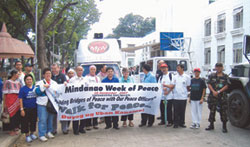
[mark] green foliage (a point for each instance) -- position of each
(74, 21)
(133, 26)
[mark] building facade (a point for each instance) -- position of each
(225, 22)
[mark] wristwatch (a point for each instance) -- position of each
(218, 91)
(21, 109)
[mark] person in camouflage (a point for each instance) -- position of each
(217, 99)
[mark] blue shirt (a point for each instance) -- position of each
(113, 80)
(28, 96)
(149, 78)
(129, 80)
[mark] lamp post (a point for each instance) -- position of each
(36, 22)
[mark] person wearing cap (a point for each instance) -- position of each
(159, 72)
(197, 94)
(181, 84)
(167, 83)
(28, 70)
(218, 84)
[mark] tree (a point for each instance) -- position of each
(133, 26)
(74, 17)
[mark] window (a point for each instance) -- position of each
(171, 65)
(221, 23)
(238, 18)
(207, 54)
(211, 1)
(208, 27)
(221, 54)
(237, 52)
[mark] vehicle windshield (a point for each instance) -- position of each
(117, 71)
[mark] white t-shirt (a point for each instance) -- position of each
(166, 80)
(77, 79)
(92, 79)
(181, 83)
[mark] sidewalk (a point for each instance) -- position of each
(5, 139)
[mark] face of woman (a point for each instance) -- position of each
(125, 74)
(28, 81)
(16, 76)
(47, 76)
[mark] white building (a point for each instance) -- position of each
(225, 22)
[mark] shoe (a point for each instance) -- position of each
(43, 138)
(224, 130)
(131, 124)
(82, 131)
(141, 125)
(54, 133)
(210, 127)
(124, 124)
(161, 123)
(66, 132)
(117, 128)
(183, 126)
(197, 126)
(107, 127)
(88, 128)
(158, 118)
(28, 139)
(150, 125)
(33, 136)
(76, 133)
(95, 127)
(169, 124)
(193, 126)
(175, 126)
(50, 135)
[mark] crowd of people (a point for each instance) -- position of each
(27, 103)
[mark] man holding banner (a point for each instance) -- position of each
(78, 79)
(111, 79)
(92, 78)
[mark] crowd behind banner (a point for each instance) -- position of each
(27, 104)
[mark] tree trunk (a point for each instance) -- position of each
(41, 48)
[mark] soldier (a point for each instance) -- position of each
(218, 84)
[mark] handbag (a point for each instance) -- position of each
(50, 108)
(5, 117)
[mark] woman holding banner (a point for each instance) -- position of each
(45, 118)
(148, 78)
(127, 79)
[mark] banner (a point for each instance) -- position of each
(82, 101)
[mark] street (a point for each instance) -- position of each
(155, 136)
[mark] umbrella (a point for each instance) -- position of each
(13, 48)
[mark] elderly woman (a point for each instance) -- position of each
(127, 79)
(45, 118)
(10, 101)
(28, 109)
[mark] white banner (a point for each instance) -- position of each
(79, 101)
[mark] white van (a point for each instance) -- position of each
(172, 62)
(97, 52)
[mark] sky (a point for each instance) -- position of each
(112, 10)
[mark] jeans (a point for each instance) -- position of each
(45, 120)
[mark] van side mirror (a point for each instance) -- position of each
(246, 47)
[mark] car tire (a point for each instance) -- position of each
(238, 109)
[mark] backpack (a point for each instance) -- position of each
(170, 76)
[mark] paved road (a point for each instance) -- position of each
(157, 136)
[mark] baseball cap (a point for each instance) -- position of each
(164, 65)
(28, 65)
(197, 69)
(218, 65)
